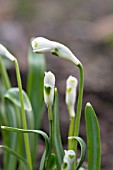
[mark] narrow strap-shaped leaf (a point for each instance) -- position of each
(93, 138)
(12, 98)
(35, 84)
(83, 150)
(57, 144)
(9, 150)
(4, 74)
(28, 131)
(10, 140)
(36, 132)
(35, 88)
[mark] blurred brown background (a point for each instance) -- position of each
(86, 27)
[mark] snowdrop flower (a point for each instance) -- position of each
(49, 84)
(68, 160)
(71, 86)
(41, 45)
(6, 53)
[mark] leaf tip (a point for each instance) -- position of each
(88, 104)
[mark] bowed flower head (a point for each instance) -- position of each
(4, 52)
(71, 86)
(49, 84)
(41, 45)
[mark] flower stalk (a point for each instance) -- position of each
(49, 84)
(26, 139)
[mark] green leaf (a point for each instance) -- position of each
(93, 138)
(13, 95)
(35, 84)
(57, 144)
(4, 74)
(39, 132)
(52, 162)
(9, 150)
(9, 118)
(83, 150)
(11, 129)
(35, 87)
(12, 110)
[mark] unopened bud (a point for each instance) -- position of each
(71, 88)
(68, 160)
(49, 84)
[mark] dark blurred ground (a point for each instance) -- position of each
(86, 27)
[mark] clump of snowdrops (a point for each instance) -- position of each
(21, 113)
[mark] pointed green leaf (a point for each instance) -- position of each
(83, 150)
(57, 143)
(93, 138)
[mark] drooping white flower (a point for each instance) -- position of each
(49, 84)
(4, 52)
(68, 160)
(71, 88)
(41, 45)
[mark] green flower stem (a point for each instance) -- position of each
(4, 75)
(50, 117)
(71, 132)
(79, 106)
(26, 139)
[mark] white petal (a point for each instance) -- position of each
(4, 52)
(41, 45)
(49, 79)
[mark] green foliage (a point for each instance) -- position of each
(36, 71)
(59, 153)
(21, 114)
(93, 138)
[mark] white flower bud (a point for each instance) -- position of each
(4, 52)
(71, 88)
(49, 84)
(68, 160)
(41, 45)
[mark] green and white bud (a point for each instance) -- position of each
(71, 89)
(68, 160)
(41, 45)
(49, 84)
(4, 52)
